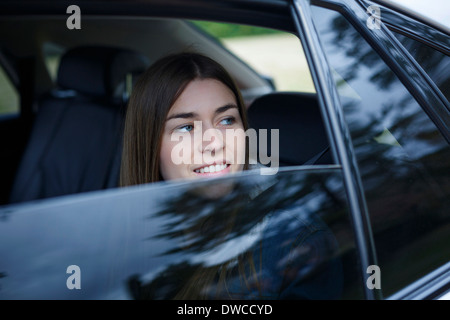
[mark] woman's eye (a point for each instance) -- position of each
(185, 128)
(227, 121)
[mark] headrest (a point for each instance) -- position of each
(98, 71)
(302, 135)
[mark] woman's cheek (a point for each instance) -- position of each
(236, 146)
(174, 154)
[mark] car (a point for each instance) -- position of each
(349, 202)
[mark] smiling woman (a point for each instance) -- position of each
(187, 96)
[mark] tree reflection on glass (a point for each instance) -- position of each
(402, 157)
(268, 238)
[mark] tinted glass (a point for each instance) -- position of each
(402, 158)
(258, 236)
(434, 62)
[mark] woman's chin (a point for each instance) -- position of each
(215, 190)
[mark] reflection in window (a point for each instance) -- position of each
(402, 157)
(435, 63)
(260, 237)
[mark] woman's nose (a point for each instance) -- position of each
(212, 141)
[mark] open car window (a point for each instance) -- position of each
(75, 102)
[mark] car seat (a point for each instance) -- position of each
(302, 135)
(75, 143)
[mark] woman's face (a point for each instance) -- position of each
(204, 134)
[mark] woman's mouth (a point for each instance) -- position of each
(214, 169)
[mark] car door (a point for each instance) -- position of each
(397, 120)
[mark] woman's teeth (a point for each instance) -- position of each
(212, 168)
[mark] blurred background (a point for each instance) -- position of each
(275, 54)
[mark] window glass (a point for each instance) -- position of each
(402, 157)
(253, 236)
(434, 62)
(283, 236)
(9, 97)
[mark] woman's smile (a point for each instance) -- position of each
(213, 170)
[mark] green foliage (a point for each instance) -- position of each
(227, 30)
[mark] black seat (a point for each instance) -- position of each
(75, 144)
(302, 135)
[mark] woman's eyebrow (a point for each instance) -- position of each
(225, 108)
(188, 115)
(185, 115)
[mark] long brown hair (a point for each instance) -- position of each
(153, 95)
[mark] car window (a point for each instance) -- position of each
(434, 62)
(247, 236)
(9, 97)
(401, 155)
(276, 54)
(52, 53)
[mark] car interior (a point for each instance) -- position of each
(75, 145)
(68, 131)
